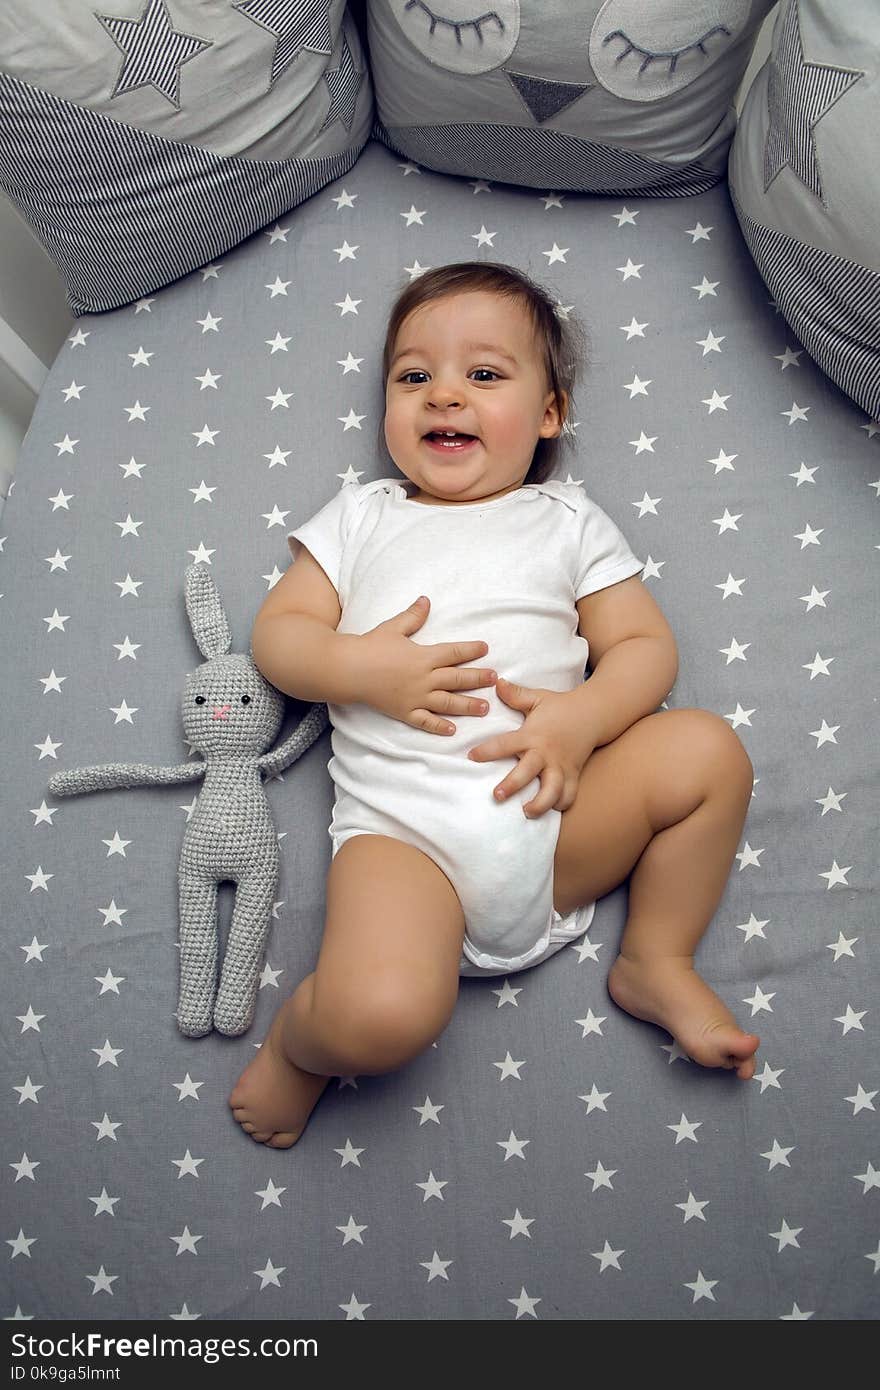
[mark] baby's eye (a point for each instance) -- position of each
(484, 374)
(407, 377)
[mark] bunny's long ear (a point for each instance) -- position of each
(205, 611)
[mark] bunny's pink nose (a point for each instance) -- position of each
(221, 711)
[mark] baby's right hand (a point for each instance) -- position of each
(414, 682)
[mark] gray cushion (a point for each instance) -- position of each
(742, 477)
(620, 96)
(806, 184)
(141, 140)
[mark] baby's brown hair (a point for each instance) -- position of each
(563, 339)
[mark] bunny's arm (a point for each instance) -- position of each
(303, 736)
(109, 775)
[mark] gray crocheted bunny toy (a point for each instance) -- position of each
(231, 716)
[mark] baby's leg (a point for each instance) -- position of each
(383, 990)
(669, 796)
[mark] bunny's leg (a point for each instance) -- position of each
(198, 954)
(248, 930)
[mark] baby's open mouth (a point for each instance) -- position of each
(449, 439)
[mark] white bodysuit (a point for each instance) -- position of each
(506, 572)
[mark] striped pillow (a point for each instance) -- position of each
(806, 184)
(142, 138)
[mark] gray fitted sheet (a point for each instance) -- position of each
(603, 1176)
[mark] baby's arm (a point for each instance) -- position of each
(633, 658)
(296, 646)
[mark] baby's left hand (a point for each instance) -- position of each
(549, 744)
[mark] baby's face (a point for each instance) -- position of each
(467, 398)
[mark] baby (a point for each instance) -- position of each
(445, 863)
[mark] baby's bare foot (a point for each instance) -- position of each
(669, 992)
(273, 1098)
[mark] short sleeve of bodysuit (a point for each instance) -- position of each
(325, 533)
(604, 556)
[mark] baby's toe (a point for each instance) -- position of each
(282, 1140)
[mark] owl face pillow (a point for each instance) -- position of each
(630, 96)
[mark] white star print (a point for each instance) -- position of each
(30, 1020)
(519, 1224)
(509, 1067)
(789, 358)
(870, 1178)
(702, 1287)
(842, 946)
(102, 1281)
(760, 1001)
(692, 1208)
(706, 287)
(350, 1231)
(351, 421)
(836, 876)
(862, 1100)
(436, 1267)
(748, 857)
(513, 1147)
(104, 1204)
(769, 1077)
(685, 1129)
(524, 1304)
(777, 1155)
(851, 1019)
(601, 1177)
(797, 412)
(432, 1188)
(187, 1089)
(354, 1310)
(630, 271)
(186, 1242)
(815, 598)
(106, 1128)
(39, 879)
(804, 474)
(636, 387)
(270, 1274)
(595, 1100)
(736, 651)
(608, 1258)
(189, 1166)
(795, 1315)
(591, 1024)
(349, 1154)
(107, 1054)
(271, 1195)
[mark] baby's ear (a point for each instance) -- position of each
(205, 611)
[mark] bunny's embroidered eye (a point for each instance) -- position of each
(200, 699)
(245, 699)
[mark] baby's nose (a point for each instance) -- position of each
(444, 393)
(221, 711)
